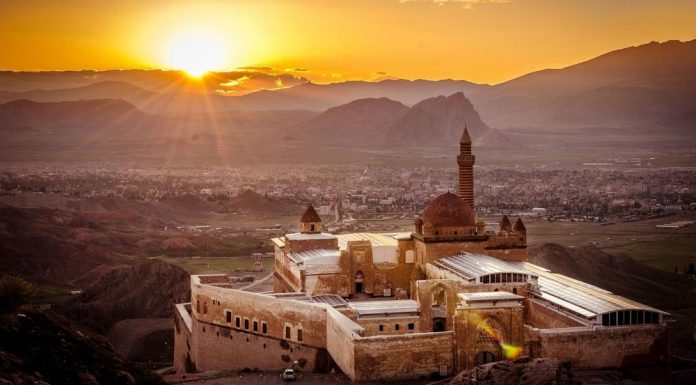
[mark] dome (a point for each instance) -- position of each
(448, 210)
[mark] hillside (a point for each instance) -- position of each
(40, 348)
(109, 89)
(621, 275)
(362, 120)
(251, 202)
(634, 86)
(647, 85)
(147, 290)
(103, 115)
(627, 277)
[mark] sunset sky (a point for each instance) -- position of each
(486, 41)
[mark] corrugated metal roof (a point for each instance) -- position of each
(375, 238)
(472, 265)
(280, 242)
(330, 299)
(330, 256)
(385, 307)
(570, 294)
(561, 290)
(490, 296)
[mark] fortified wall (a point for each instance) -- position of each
(318, 336)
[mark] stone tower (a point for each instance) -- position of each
(466, 169)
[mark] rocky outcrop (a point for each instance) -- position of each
(147, 290)
(45, 348)
(437, 121)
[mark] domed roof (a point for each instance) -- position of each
(448, 210)
(505, 223)
(519, 226)
(310, 215)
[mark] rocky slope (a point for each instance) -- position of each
(45, 348)
(147, 290)
(621, 275)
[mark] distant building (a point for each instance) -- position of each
(445, 297)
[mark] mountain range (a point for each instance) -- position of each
(648, 89)
(651, 85)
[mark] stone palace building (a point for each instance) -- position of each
(445, 297)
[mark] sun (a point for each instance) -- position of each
(196, 52)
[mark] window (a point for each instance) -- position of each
(311, 227)
(411, 326)
(228, 316)
(256, 326)
(409, 256)
(299, 334)
(205, 307)
(287, 332)
(397, 326)
(198, 306)
(246, 324)
(237, 322)
(264, 328)
(381, 328)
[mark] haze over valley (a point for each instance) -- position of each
(222, 192)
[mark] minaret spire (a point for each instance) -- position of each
(466, 160)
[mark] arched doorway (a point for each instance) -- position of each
(484, 358)
(439, 324)
(359, 280)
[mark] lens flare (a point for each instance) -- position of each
(511, 352)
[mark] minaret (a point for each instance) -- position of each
(466, 169)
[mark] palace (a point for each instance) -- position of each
(445, 297)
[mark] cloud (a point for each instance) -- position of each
(245, 81)
(297, 69)
(468, 4)
(255, 69)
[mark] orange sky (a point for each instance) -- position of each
(485, 41)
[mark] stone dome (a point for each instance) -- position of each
(448, 210)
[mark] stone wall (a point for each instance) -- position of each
(340, 333)
(403, 356)
(182, 339)
(389, 325)
(606, 347)
(224, 348)
(258, 325)
(542, 317)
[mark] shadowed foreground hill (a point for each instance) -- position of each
(46, 347)
(627, 277)
(619, 274)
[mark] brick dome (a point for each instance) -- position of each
(448, 210)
